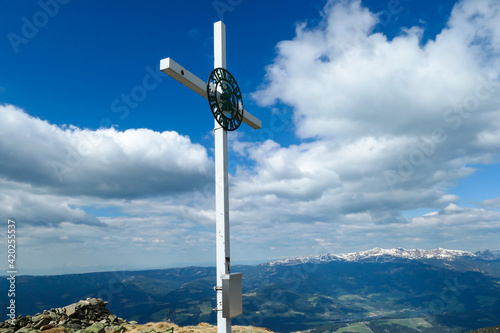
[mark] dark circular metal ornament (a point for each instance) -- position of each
(224, 97)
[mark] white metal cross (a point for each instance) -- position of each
(176, 71)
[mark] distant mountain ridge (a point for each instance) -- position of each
(389, 255)
(391, 290)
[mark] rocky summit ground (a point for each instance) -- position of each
(91, 316)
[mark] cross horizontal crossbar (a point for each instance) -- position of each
(179, 73)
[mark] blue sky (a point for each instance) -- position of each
(381, 127)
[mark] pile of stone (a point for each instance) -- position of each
(89, 316)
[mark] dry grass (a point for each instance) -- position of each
(200, 328)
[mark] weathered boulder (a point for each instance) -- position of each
(95, 328)
(7, 330)
(71, 309)
(42, 322)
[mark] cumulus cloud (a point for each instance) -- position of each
(36, 206)
(345, 82)
(491, 203)
(53, 176)
(104, 163)
(389, 125)
(148, 233)
(431, 108)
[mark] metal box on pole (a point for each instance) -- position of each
(232, 295)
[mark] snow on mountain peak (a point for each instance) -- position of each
(377, 254)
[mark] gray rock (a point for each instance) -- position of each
(117, 329)
(84, 303)
(26, 330)
(47, 327)
(71, 309)
(71, 325)
(76, 322)
(7, 330)
(91, 315)
(19, 322)
(23, 330)
(96, 328)
(43, 322)
(94, 301)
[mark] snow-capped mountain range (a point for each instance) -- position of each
(387, 255)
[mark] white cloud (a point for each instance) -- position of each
(491, 203)
(136, 173)
(32, 205)
(396, 97)
(103, 163)
(390, 125)
(385, 126)
(369, 85)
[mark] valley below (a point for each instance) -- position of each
(374, 293)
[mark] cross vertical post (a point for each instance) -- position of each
(223, 260)
(229, 286)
